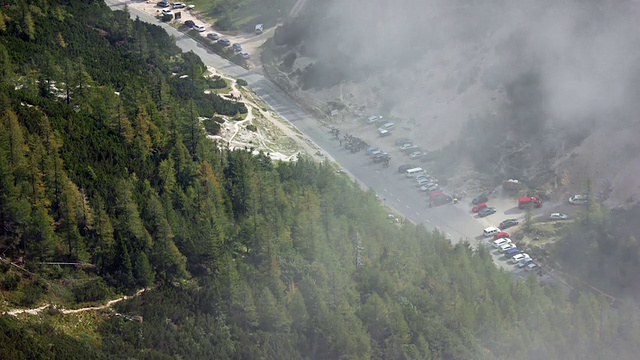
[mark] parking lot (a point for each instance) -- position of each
(402, 193)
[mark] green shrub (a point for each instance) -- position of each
(92, 290)
(216, 82)
(32, 293)
(212, 126)
(242, 82)
(10, 281)
(252, 127)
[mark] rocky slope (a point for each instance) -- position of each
(545, 89)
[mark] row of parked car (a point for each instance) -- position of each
(174, 5)
(423, 181)
(500, 240)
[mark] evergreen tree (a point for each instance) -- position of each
(103, 242)
(39, 236)
(142, 271)
(14, 209)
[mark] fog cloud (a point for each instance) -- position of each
(585, 53)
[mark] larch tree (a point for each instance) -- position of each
(102, 243)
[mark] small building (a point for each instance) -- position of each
(259, 28)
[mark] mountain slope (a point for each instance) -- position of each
(246, 258)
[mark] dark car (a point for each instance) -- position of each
(442, 199)
(237, 47)
(508, 223)
(402, 141)
(189, 23)
(163, 4)
(213, 36)
(479, 199)
(405, 167)
(224, 42)
(486, 211)
(381, 157)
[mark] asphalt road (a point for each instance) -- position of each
(397, 192)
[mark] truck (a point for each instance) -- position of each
(528, 201)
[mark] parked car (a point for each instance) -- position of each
(524, 262)
(511, 252)
(402, 141)
(167, 12)
(410, 149)
(179, 5)
(425, 176)
(518, 257)
(163, 4)
(189, 24)
(578, 200)
(198, 27)
(224, 42)
(416, 154)
(373, 119)
(381, 157)
(508, 223)
(384, 133)
(387, 126)
(244, 54)
(501, 234)
(438, 198)
(500, 242)
(506, 247)
(558, 216)
(408, 145)
(213, 36)
(433, 187)
(479, 207)
(490, 231)
(405, 167)
(479, 199)
(486, 211)
(237, 47)
(532, 266)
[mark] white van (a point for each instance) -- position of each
(414, 172)
(490, 231)
(388, 126)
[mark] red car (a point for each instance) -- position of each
(501, 234)
(479, 207)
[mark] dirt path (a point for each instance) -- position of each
(37, 310)
(304, 144)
